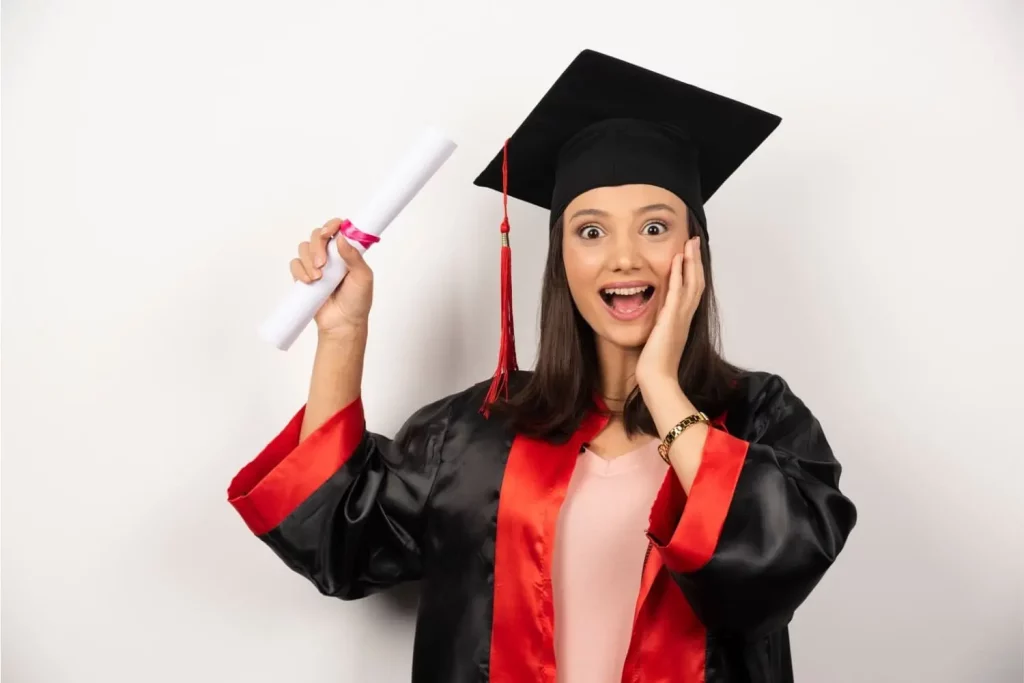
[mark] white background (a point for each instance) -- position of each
(161, 161)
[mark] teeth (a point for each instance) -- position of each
(625, 291)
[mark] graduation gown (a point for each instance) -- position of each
(468, 508)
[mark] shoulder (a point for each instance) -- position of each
(461, 409)
(762, 402)
(758, 385)
(467, 401)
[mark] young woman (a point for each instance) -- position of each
(634, 509)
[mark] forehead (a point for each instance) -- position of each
(624, 199)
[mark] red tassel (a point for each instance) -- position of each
(507, 363)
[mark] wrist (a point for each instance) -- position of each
(343, 335)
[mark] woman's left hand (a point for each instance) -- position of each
(659, 360)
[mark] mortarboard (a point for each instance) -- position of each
(607, 122)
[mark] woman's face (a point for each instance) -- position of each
(618, 244)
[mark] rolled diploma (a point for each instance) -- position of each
(420, 163)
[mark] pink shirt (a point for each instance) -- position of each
(598, 558)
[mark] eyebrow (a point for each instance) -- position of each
(642, 209)
(655, 207)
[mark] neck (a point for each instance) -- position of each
(618, 372)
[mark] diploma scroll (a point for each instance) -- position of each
(420, 163)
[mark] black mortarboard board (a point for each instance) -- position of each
(607, 122)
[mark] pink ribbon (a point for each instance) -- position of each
(354, 233)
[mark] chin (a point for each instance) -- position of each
(626, 336)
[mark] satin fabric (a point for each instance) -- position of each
(459, 503)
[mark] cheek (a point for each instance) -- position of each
(581, 271)
(661, 264)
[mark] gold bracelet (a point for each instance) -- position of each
(677, 430)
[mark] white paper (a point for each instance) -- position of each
(419, 164)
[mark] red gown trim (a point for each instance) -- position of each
(669, 642)
(536, 479)
(686, 529)
(286, 472)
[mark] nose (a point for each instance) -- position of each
(624, 256)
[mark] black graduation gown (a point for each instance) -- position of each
(465, 506)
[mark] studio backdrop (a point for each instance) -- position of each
(162, 161)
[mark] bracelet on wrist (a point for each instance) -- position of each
(679, 429)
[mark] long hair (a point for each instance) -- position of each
(562, 388)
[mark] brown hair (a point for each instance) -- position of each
(561, 390)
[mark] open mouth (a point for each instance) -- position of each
(627, 302)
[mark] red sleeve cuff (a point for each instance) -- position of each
(686, 529)
(286, 472)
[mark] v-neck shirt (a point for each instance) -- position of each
(600, 545)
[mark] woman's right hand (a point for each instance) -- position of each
(348, 307)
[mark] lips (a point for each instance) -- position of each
(627, 300)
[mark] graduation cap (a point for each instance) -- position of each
(606, 122)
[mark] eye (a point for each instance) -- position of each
(590, 232)
(655, 228)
